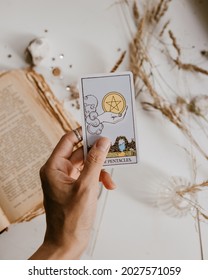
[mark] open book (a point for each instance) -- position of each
(31, 123)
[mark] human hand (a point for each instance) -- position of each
(70, 196)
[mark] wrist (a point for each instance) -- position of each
(48, 251)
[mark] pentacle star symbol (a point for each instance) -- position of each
(113, 104)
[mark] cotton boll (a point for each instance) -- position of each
(37, 50)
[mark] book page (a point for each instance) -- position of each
(28, 133)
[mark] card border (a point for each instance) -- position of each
(105, 75)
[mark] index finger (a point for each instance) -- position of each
(65, 146)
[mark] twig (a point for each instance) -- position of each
(164, 28)
(175, 44)
(190, 67)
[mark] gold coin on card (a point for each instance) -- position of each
(114, 102)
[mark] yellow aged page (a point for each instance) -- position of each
(28, 136)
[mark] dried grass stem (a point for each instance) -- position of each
(118, 63)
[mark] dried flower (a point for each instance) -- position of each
(177, 197)
(74, 91)
(140, 64)
(173, 200)
(139, 61)
(199, 105)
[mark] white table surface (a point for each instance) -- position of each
(90, 34)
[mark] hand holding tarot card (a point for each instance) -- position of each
(107, 103)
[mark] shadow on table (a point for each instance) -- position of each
(143, 183)
(149, 185)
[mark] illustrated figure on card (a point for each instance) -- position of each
(108, 110)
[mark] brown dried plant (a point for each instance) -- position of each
(193, 189)
(73, 88)
(164, 28)
(140, 64)
(157, 11)
(180, 190)
(181, 65)
(135, 12)
(74, 91)
(118, 62)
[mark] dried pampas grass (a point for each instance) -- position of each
(140, 64)
(118, 62)
(184, 66)
(146, 27)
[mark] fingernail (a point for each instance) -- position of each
(103, 144)
(113, 187)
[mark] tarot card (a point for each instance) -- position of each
(107, 103)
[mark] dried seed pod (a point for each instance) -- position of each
(174, 199)
(204, 53)
(56, 71)
(199, 105)
(73, 88)
(180, 107)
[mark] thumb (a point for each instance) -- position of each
(95, 160)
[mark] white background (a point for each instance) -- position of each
(90, 34)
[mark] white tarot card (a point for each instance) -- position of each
(108, 110)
